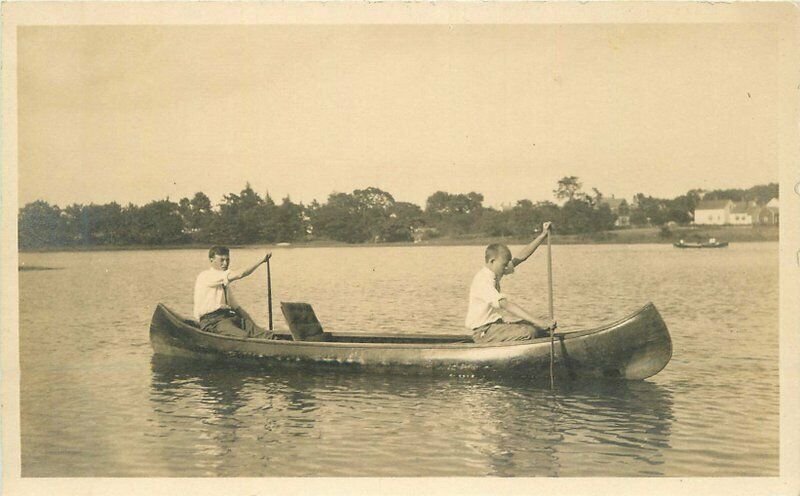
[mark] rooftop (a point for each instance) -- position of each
(740, 208)
(613, 203)
(712, 205)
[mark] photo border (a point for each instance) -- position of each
(783, 15)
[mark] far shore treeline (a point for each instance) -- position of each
(366, 215)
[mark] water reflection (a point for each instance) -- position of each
(94, 404)
(234, 422)
(580, 429)
(624, 426)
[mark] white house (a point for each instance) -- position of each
(614, 205)
(742, 214)
(770, 214)
(713, 212)
(721, 212)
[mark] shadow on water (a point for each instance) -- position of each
(475, 425)
(31, 268)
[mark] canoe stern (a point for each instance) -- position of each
(636, 348)
(168, 337)
(649, 345)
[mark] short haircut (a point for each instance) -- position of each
(218, 250)
(495, 249)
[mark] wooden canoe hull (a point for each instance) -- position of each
(701, 245)
(635, 347)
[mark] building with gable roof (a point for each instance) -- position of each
(727, 212)
(614, 204)
(743, 213)
(770, 214)
(716, 212)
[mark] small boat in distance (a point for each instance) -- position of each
(635, 347)
(712, 243)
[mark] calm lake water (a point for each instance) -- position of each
(96, 402)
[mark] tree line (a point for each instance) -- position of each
(368, 215)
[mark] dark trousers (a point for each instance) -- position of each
(233, 323)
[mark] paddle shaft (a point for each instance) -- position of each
(552, 312)
(269, 294)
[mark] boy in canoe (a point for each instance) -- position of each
(486, 301)
(214, 305)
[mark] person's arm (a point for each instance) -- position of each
(532, 246)
(520, 312)
(235, 275)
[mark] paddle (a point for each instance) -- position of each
(269, 294)
(550, 302)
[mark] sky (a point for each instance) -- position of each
(140, 113)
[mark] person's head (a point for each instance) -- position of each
(498, 259)
(220, 257)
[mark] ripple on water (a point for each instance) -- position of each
(95, 403)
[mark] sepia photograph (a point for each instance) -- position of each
(352, 247)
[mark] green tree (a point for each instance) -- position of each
(577, 217)
(41, 225)
(603, 219)
(454, 213)
(569, 188)
(548, 212)
(403, 218)
(76, 225)
(582, 213)
(285, 222)
(369, 214)
(524, 218)
(341, 219)
(197, 215)
(624, 208)
(649, 211)
(158, 223)
(493, 222)
(352, 218)
(596, 199)
(763, 193)
(128, 227)
(107, 224)
(242, 219)
(374, 210)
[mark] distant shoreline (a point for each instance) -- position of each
(645, 235)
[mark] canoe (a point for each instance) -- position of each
(635, 347)
(716, 244)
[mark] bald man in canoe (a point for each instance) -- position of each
(215, 307)
(486, 302)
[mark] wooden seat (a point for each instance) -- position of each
(303, 322)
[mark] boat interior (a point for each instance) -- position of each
(304, 326)
(360, 337)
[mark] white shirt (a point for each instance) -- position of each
(484, 300)
(212, 291)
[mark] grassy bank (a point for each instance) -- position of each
(642, 235)
(744, 234)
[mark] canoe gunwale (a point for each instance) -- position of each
(560, 336)
(636, 346)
